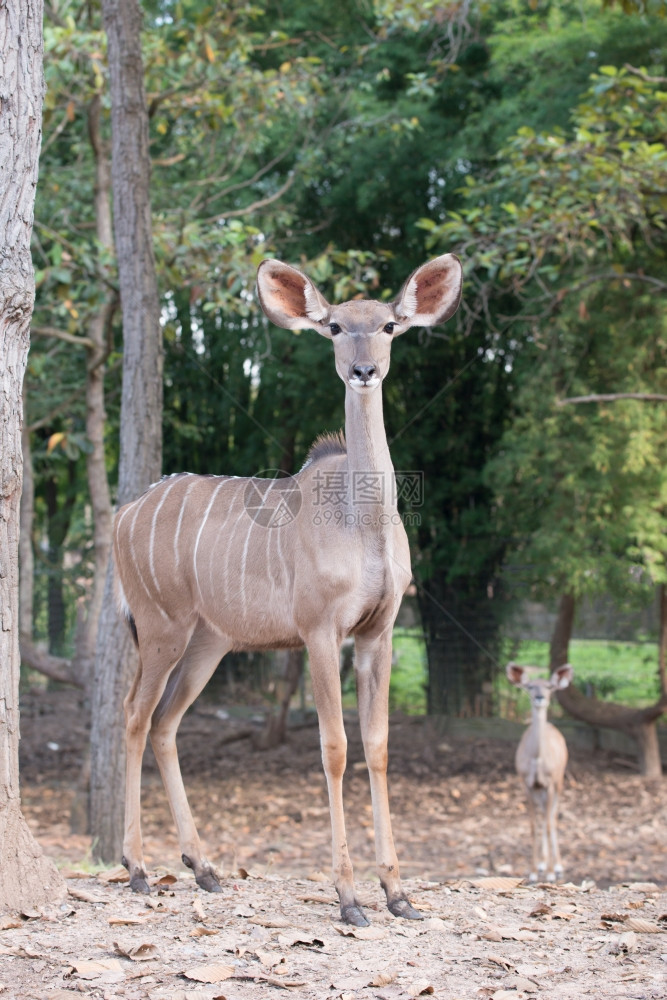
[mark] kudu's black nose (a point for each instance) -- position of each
(364, 372)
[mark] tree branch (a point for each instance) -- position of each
(58, 668)
(611, 397)
(256, 205)
(644, 76)
(70, 338)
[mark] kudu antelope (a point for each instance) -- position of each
(541, 759)
(208, 564)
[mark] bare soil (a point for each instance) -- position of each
(462, 835)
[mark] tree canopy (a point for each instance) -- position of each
(355, 141)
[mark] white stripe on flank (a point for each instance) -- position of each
(245, 549)
(218, 537)
(133, 553)
(201, 528)
(151, 546)
(177, 557)
(242, 515)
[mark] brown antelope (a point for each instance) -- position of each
(541, 759)
(208, 564)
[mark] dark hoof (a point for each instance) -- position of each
(403, 908)
(353, 914)
(209, 882)
(138, 883)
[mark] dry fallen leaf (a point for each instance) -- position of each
(168, 878)
(521, 984)
(116, 921)
(642, 926)
(92, 970)
(371, 933)
(318, 877)
(419, 988)
(198, 911)
(628, 942)
(19, 951)
(496, 883)
(299, 937)
(202, 931)
(74, 873)
(383, 978)
(85, 897)
(275, 922)
(138, 953)
(269, 958)
(7, 922)
(499, 960)
(113, 875)
(214, 973)
(505, 933)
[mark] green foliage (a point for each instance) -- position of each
(353, 140)
(570, 229)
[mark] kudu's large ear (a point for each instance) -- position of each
(290, 299)
(431, 294)
(515, 673)
(562, 676)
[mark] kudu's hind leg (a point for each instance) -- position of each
(191, 675)
(373, 669)
(556, 865)
(144, 695)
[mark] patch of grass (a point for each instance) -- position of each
(624, 672)
(409, 672)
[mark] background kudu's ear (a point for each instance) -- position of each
(431, 294)
(515, 673)
(289, 298)
(562, 676)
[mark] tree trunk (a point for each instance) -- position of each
(27, 878)
(275, 728)
(141, 403)
(637, 723)
(98, 482)
(26, 555)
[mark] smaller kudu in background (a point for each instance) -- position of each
(541, 759)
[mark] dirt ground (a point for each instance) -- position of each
(462, 836)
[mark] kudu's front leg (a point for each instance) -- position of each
(373, 668)
(325, 676)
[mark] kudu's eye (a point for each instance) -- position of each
(389, 327)
(334, 327)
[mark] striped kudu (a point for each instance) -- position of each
(208, 564)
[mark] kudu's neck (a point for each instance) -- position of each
(538, 723)
(369, 466)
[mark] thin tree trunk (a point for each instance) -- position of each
(637, 723)
(98, 482)
(27, 878)
(26, 555)
(141, 404)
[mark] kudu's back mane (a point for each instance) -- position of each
(326, 445)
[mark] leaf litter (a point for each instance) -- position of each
(276, 923)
